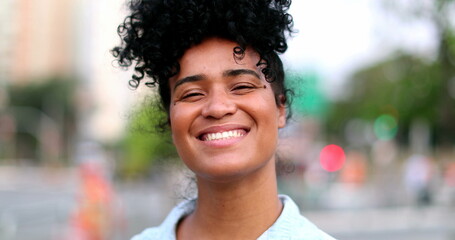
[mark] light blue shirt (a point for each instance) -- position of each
(290, 225)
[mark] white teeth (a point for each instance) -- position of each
(223, 135)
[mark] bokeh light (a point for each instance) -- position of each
(332, 158)
(385, 127)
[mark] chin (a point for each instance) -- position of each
(225, 173)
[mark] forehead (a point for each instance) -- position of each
(215, 55)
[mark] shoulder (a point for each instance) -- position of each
(293, 226)
(166, 231)
(149, 234)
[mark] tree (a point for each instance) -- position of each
(406, 86)
(147, 143)
(402, 87)
(439, 13)
(45, 118)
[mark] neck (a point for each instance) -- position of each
(240, 209)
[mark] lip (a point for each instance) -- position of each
(222, 128)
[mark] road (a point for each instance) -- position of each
(38, 204)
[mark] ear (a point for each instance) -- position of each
(282, 112)
(281, 116)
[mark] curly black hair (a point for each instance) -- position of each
(158, 32)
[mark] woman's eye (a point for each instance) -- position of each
(192, 96)
(244, 88)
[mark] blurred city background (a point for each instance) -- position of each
(368, 154)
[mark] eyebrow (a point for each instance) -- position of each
(237, 72)
(188, 79)
(227, 73)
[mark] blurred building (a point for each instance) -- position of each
(104, 96)
(6, 32)
(68, 39)
(37, 39)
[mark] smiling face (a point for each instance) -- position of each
(223, 114)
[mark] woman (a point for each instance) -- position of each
(221, 83)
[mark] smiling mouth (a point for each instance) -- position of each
(223, 135)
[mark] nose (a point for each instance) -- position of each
(219, 105)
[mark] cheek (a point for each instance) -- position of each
(176, 123)
(269, 107)
(181, 118)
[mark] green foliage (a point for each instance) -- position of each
(436, 99)
(147, 143)
(27, 103)
(403, 86)
(46, 95)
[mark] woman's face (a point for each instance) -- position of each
(223, 114)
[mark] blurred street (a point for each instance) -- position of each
(371, 142)
(37, 203)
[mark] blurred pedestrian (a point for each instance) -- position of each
(418, 178)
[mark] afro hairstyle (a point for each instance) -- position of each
(157, 33)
